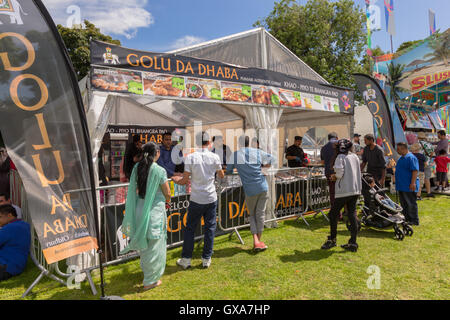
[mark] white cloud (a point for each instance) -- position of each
(117, 17)
(186, 41)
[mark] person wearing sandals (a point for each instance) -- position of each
(248, 163)
(145, 220)
(348, 189)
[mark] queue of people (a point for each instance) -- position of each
(149, 196)
(150, 167)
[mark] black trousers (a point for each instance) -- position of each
(408, 200)
(3, 274)
(339, 203)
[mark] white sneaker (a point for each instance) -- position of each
(206, 262)
(185, 263)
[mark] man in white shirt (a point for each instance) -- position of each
(4, 199)
(202, 166)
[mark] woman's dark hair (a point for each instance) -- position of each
(344, 146)
(150, 149)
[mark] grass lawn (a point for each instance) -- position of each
(294, 266)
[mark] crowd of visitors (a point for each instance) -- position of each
(148, 169)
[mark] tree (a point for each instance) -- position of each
(328, 36)
(368, 62)
(77, 42)
(394, 77)
(408, 44)
(440, 43)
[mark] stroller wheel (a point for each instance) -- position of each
(399, 234)
(408, 230)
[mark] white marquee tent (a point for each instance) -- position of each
(253, 48)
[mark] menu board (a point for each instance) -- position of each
(123, 81)
(176, 76)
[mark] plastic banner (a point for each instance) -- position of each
(122, 70)
(378, 106)
(44, 129)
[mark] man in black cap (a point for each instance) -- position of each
(295, 154)
(357, 145)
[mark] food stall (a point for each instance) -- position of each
(230, 85)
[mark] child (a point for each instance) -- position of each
(441, 169)
(384, 200)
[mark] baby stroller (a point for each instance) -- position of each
(380, 212)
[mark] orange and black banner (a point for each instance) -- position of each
(43, 125)
(123, 70)
(375, 100)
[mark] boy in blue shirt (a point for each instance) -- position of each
(15, 239)
(407, 183)
(248, 162)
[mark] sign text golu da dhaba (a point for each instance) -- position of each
(118, 69)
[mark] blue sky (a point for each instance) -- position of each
(162, 25)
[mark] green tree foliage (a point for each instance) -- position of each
(407, 44)
(77, 43)
(394, 77)
(368, 61)
(328, 36)
(440, 43)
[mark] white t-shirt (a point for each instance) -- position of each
(203, 165)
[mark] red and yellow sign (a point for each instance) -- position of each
(425, 81)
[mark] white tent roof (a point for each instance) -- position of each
(255, 48)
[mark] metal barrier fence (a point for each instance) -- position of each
(287, 193)
(318, 192)
(292, 191)
(19, 198)
(112, 211)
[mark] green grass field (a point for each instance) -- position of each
(294, 266)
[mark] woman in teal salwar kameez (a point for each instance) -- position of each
(145, 221)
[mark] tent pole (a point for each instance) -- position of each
(263, 49)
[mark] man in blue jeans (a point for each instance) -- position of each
(407, 183)
(202, 166)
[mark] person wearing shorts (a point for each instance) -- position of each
(248, 163)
